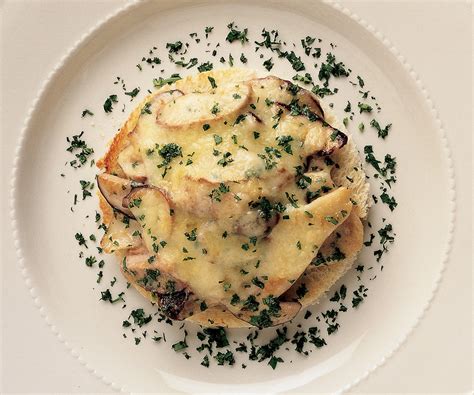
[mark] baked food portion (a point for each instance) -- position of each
(226, 196)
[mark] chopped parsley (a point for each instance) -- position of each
(108, 104)
(181, 345)
(348, 107)
(235, 299)
(258, 283)
(146, 108)
(106, 296)
(382, 133)
(216, 194)
(190, 64)
(274, 361)
(251, 303)
(80, 239)
(301, 291)
(322, 91)
(212, 81)
(284, 141)
(159, 82)
(267, 209)
(207, 66)
(292, 199)
(225, 160)
(364, 107)
(215, 109)
(133, 93)
(236, 35)
(332, 220)
(227, 357)
(388, 170)
(306, 79)
(295, 61)
(168, 152)
(77, 144)
(86, 186)
(86, 112)
(139, 317)
(240, 118)
(389, 201)
(268, 64)
(174, 47)
(191, 236)
(331, 68)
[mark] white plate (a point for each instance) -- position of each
(66, 289)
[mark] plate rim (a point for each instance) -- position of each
(83, 40)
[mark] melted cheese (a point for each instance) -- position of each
(233, 146)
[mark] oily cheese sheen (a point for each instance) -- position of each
(226, 194)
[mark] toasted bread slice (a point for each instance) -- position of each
(197, 92)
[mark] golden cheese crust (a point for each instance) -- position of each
(227, 199)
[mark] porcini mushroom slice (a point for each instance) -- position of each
(297, 102)
(252, 223)
(305, 99)
(266, 317)
(114, 189)
(304, 232)
(338, 249)
(151, 208)
(177, 305)
(203, 107)
(130, 160)
(150, 274)
(322, 138)
(160, 100)
(149, 112)
(121, 235)
(285, 91)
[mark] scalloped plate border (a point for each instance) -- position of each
(116, 14)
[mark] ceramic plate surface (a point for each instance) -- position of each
(67, 290)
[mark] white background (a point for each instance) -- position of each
(435, 37)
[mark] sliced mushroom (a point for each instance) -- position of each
(151, 273)
(298, 102)
(305, 231)
(177, 305)
(337, 141)
(148, 273)
(305, 99)
(338, 250)
(148, 113)
(121, 235)
(152, 210)
(313, 103)
(161, 100)
(115, 189)
(252, 223)
(132, 164)
(287, 91)
(327, 137)
(204, 107)
(322, 140)
(321, 184)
